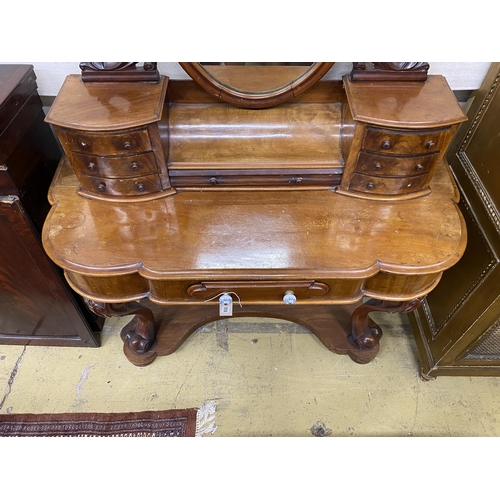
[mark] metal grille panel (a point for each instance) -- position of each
(488, 346)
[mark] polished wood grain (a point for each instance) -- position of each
(257, 214)
(203, 135)
(183, 91)
(104, 106)
(240, 236)
(219, 146)
(414, 105)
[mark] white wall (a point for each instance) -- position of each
(460, 75)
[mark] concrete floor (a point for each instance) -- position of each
(267, 378)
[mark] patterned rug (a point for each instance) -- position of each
(169, 423)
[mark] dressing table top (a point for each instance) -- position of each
(244, 235)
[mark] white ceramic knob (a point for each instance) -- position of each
(289, 298)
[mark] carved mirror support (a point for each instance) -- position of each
(389, 71)
(119, 72)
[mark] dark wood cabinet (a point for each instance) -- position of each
(457, 329)
(36, 305)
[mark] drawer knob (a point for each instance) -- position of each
(83, 144)
(386, 145)
(297, 180)
(289, 298)
(141, 187)
(91, 166)
(378, 166)
(213, 181)
(370, 185)
(127, 145)
(135, 166)
(101, 186)
(430, 144)
(419, 167)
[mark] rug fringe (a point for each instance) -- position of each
(205, 419)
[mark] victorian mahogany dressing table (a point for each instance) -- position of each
(202, 197)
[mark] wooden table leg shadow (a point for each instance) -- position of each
(160, 330)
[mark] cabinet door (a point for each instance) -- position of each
(36, 305)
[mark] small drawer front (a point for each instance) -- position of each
(253, 179)
(404, 142)
(395, 166)
(388, 185)
(115, 166)
(136, 186)
(137, 141)
(259, 290)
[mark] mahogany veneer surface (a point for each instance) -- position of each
(104, 106)
(255, 208)
(404, 104)
(239, 236)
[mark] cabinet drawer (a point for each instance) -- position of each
(16, 93)
(259, 290)
(388, 185)
(255, 178)
(135, 186)
(395, 166)
(137, 141)
(115, 166)
(404, 142)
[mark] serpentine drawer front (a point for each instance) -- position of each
(108, 144)
(396, 146)
(259, 290)
(388, 185)
(397, 171)
(110, 168)
(115, 166)
(114, 160)
(121, 187)
(395, 166)
(403, 142)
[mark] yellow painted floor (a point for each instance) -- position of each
(266, 377)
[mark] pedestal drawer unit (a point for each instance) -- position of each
(122, 159)
(395, 144)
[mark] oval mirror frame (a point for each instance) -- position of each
(245, 99)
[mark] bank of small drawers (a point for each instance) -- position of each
(397, 162)
(119, 164)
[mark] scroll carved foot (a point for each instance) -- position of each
(139, 336)
(365, 333)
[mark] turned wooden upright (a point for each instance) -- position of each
(168, 197)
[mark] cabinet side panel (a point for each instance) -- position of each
(34, 306)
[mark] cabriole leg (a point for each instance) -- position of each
(365, 333)
(139, 336)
